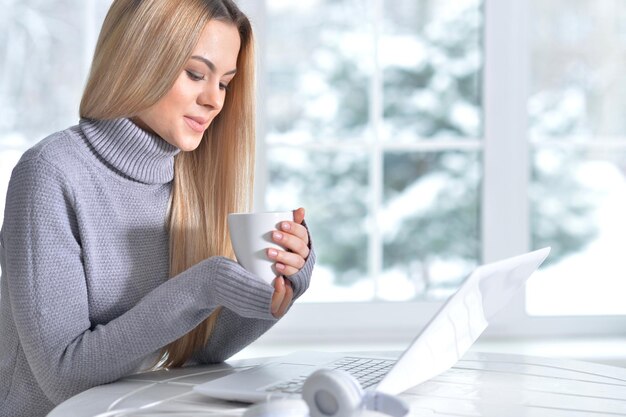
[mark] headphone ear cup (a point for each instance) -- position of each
(332, 393)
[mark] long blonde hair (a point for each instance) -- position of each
(142, 48)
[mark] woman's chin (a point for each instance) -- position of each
(188, 144)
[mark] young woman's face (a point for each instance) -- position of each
(197, 96)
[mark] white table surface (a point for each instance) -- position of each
(480, 384)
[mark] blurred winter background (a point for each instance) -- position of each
(374, 123)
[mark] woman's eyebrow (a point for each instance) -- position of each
(210, 64)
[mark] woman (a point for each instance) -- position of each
(98, 216)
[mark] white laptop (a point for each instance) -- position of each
(439, 345)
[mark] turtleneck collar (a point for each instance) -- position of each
(131, 150)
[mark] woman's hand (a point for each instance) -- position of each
(295, 238)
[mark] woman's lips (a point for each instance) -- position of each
(196, 124)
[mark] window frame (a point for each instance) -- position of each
(506, 171)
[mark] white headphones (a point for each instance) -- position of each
(331, 393)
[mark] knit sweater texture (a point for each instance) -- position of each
(85, 297)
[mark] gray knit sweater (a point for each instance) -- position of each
(85, 297)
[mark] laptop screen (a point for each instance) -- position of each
(460, 321)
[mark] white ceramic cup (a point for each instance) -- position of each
(251, 236)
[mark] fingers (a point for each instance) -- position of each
(296, 230)
(298, 215)
(279, 295)
(291, 242)
(282, 297)
(293, 237)
(287, 263)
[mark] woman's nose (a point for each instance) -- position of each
(212, 97)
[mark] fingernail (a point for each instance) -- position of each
(286, 226)
(280, 267)
(273, 253)
(278, 235)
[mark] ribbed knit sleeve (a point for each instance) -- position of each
(49, 295)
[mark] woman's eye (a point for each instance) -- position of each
(224, 86)
(195, 76)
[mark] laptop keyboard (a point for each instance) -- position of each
(367, 371)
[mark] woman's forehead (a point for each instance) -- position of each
(219, 43)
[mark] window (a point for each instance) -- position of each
(373, 121)
(464, 147)
(423, 136)
(46, 50)
(577, 133)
